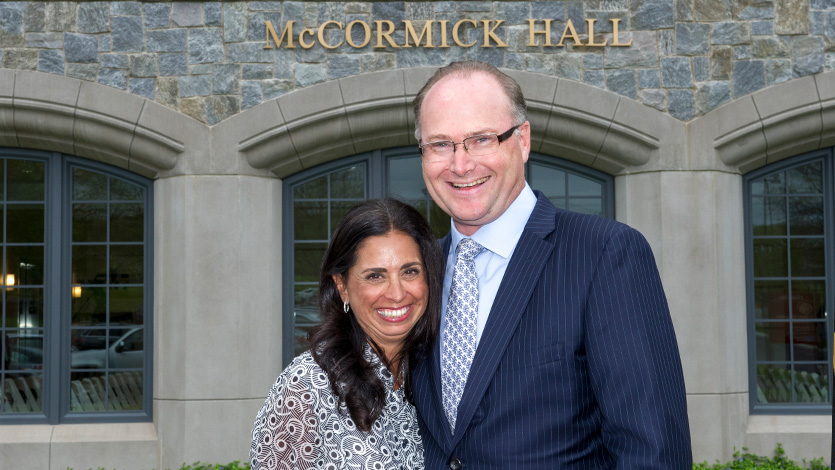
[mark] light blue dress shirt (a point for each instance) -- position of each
(499, 237)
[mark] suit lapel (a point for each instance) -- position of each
(526, 264)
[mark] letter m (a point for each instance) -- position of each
(288, 32)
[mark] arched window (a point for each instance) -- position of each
(316, 200)
(76, 290)
(789, 248)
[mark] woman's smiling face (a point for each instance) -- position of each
(386, 288)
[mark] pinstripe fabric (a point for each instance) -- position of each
(578, 366)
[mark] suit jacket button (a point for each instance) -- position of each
(455, 464)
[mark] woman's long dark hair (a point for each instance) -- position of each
(338, 342)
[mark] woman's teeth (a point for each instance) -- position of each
(396, 313)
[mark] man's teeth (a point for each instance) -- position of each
(467, 185)
(397, 313)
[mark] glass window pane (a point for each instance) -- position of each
(405, 181)
(807, 257)
(550, 181)
(439, 220)
(771, 299)
(768, 215)
(24, 308)
(126, 264)
(92, 338)
(88, 390)
(89, 307)
(127, 222)
(586, 206)
(770, 257)
(559, 202)
(26, 180)
(22, 393)
(806, 215)
(771, 184)
(338, 211)
(25, 223)
(773, 341)
(89, 222)
(26, 264)
(125, 390)
(306, 314)
(348, 183)
(580, 186)
(126, 305)
(308, 260)
(24, 350)
(809, 300)
(810, 341)
(123, 191)
(774, 383)
(89, 264)
(88, 185)
(806, 179)
(813, 379)
(313, 189)
(2, 179)
(310, 220)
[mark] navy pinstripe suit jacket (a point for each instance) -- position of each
(578, 365)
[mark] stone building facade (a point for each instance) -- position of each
(186, 95)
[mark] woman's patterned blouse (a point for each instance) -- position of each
(301, 426)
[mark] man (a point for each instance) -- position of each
(557, 349)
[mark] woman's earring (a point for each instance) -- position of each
(345, 306)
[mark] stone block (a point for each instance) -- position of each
(778, 71)
(115, 61)
(791, 17)
(712, 10)
(651, 14)
(187, 14)
(234, 22)
(377, 62)
(592, 61)
(309, 74)
(265, 6)
(676, 72)
(684, 10)
(169, 40)
(807, 55)
(720, 63)
(762, 28)
(250, 94)
(200, 69)
(791, 117)
(568, 66)
(701, 68)
(22, 59)
(666, 43)
(547, 10)
(116, 78)
(293, 11)
(649, 78)
(44, 40)
(157, 15)
(44, 110)
(748, 77)
(692, 38)
(256, 71)
(205, 45)
(105, 43)
(80, 47)
(143, 65)
(195, 85)
(11, 24)
(175, 63)
(257, 29)
(116, 445)
(574, 12)
(104, 131)
(816, 23)
(61, 16)
(213, 13)
(51, 61)
(754, 9)
(770, 48)
(642, 53)
(227, 79)
(83, 71)
(711, 95)
(622, 82)
(167, 92)
(742, 52)
(127, 33)
(314, 55)
(93, 17)
(731, 33)
(595, 78)
(654, 98)
(253, 52)
(125, 9)
(340, 66)
(471, 6)
(513, 12)
(34, 17)
(681, 104)
(194, 107)
(219, 108)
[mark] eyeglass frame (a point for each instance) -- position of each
(500, 137)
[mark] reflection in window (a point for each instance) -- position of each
(792, 349)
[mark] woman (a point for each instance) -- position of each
(346, 403)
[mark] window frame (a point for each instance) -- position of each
(376, 167)
(55, 395)
(828, 177)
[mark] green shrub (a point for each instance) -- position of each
(746, 461)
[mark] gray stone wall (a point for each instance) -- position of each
(206, 59)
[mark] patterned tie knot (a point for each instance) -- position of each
(468, 249)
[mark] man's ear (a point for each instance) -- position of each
(525, 139)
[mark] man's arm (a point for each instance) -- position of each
(634, 362)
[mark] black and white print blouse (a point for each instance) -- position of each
(300, 427)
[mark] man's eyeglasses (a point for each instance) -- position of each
(483, 144)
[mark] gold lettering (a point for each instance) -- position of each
(569, 27)
(615, 39)
(532, 32)
(384, 34)
(410, 32)
(302, 42)
(455, 33)
(443, 33)
(288, 31)
(321, 34)
(489, 33)
(591, 35)
(350, 39)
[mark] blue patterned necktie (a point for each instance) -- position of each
(460, 328)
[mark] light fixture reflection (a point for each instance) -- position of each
(10, 280)
(76, 292)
